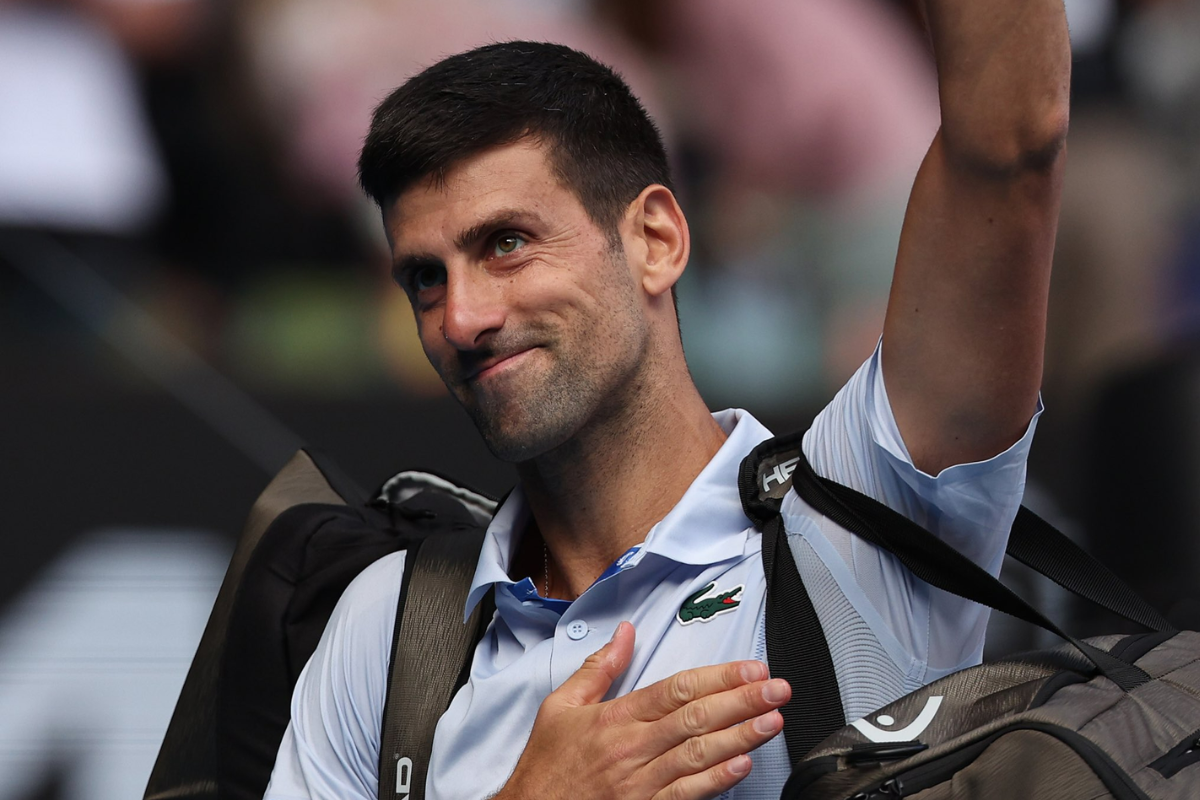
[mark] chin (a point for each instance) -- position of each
(516, 437)
(529, 421)
(514, 446)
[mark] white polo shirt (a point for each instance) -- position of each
(888, 632)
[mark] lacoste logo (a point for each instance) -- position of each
(699, 607)
(906, 734)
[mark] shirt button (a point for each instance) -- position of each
(577, 629)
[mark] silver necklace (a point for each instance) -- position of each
(545, 571)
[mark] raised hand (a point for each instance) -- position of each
(683, 738)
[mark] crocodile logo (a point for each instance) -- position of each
(699, 607)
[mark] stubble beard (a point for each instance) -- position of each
(550, 406)
(542, 409)
(517, 429)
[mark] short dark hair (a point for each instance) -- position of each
(602, 143)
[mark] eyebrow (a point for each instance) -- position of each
(467, 238)
(504, 218)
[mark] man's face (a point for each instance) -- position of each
(527, 310)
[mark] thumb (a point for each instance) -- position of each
(592, 681)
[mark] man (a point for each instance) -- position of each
(529, 211)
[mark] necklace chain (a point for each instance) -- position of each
(545, 571)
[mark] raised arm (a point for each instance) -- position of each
(966, 319)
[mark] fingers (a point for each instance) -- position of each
(704, 766)
(731, 711)
(707, 752)
(673, 693)
(722, 710)
(697, 739)
(592, 681)
(709, 783)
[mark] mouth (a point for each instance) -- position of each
(495, 365)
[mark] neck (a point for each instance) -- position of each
(600, 493)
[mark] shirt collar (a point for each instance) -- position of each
(498, 546)
(698, 530)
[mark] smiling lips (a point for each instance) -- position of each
(494, 364)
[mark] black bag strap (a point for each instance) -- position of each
(430, 645)
(797, 650)
(939, 564)
(1043, 548)
(1033, 541)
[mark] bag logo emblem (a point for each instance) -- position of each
(404, 769)
(699, 607)
(906, 734)
(781, 474)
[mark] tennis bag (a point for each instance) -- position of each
(1039, 726)
(309, 534)
(1110, 717)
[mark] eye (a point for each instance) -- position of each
(507, 243)
(426, 276)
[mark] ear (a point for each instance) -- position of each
(661, 238)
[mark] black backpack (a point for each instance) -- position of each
(310, 532)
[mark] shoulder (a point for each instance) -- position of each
(332, 743)
(355, 648)
(375, 590)
(855, 441)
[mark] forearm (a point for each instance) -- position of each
(1004, 71)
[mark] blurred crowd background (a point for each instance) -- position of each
(191, 285)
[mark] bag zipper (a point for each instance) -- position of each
(1181, 755)
(939, 769)
(893, 787)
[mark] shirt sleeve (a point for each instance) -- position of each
(331, 745)
(855, 441)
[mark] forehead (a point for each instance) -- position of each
(515, 176)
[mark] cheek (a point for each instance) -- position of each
(429, 331)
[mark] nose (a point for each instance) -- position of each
(474, 309)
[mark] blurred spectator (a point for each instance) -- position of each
(321, 74)
(75, 149)
(806, 121)
(1117, 231)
